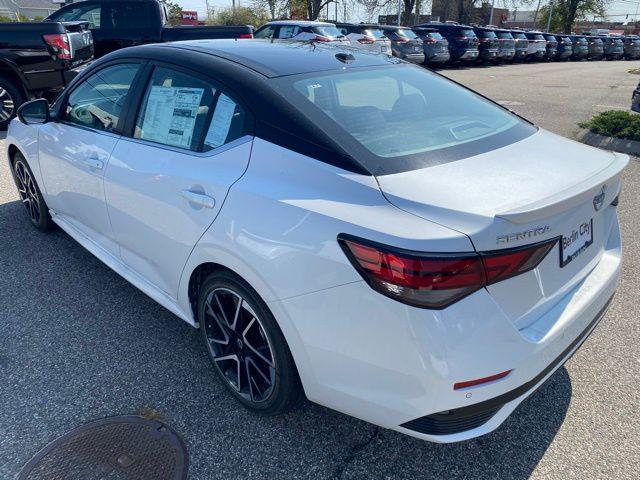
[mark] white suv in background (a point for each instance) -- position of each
(366, 37)
(301, 30)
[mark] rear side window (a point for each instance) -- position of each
(88, 12)
(97, 102)
(328, 31)
(402, 111)
(180, 110)
(127, 15)
(288, 31)
(264, 32)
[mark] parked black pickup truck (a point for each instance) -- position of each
(116, 24)
(39, 59)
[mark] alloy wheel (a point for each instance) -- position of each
(237, 340)
(28, 191)
(6, 105)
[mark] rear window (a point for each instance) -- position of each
(535, 36)
(406, 33)
(373, 32)
(329, 31)
(505, 35)
(402, 116)
(435, 35)
(466, 32)
(519, 35)
(487, 34)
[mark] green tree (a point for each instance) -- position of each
(240, 16)
(174, 11)
(566, 12)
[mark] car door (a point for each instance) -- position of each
(74, 150)
(167, 180)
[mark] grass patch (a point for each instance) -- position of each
(615, 123)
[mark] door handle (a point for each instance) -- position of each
(93, 162)
(198, 198)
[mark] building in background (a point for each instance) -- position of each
(22, 10)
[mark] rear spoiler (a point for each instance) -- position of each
(566, 199)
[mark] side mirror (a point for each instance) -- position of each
(34, 112)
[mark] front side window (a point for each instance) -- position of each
(97, 102)
(402, 111)
(89, 12)
(180, 110)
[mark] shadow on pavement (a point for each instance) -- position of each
(78, 343)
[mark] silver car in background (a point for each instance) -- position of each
(366, 36)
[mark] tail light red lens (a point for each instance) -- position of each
(433, 280)
(246, 35)
(320, 38)
(60, 44)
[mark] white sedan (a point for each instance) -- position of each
(338, 224)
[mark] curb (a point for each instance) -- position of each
(622, 145)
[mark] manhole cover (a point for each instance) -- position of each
(115, 448)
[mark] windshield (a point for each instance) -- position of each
(329, 31)
(406, 33)
(400, 111)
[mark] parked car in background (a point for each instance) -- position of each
(488, 44)
(117, 24)
(631, 47)
(537, 47)
(463, 42)
(39, 59)
(565, 47)
(522, 45)
(596, 47)
(613, 47)
(365, 37)
(552, 46)
(436, 47)
(301, 30)
(635, 99)
(368, 233)
(579, 47)
(506, 45)
(405, 44)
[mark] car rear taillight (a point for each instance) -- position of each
(320, 38)
(435, 280)
(367, 40)
(246, 35)
(60, 44)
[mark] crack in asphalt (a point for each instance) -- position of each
(339, 471)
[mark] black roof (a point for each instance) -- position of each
(276, 59)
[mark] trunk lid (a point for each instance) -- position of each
(534, 190)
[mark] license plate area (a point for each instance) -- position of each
(576, 242)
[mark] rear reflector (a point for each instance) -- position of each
(435, 280)
(480, 381)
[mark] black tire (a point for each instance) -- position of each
(285, 390)
(30, 194)
(11, 97)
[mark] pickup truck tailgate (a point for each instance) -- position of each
(80, 40)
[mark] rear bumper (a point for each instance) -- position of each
(395, 366)
(506, 54)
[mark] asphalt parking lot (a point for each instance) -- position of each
(77, 343)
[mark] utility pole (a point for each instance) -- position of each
(491, 12)
(336, 17)
(550, 15)
(399, 11)
(535, 16)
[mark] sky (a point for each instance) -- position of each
(617, 8)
